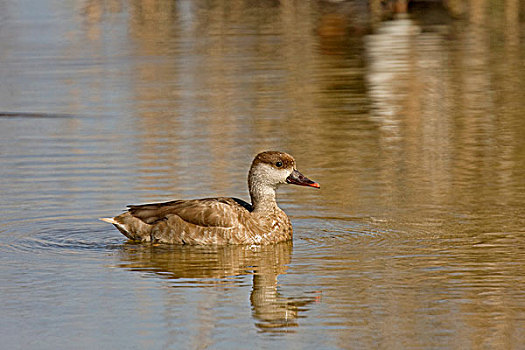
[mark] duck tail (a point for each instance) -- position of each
(120, 226)
(131, 227)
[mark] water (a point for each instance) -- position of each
(414, 127)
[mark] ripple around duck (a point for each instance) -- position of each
(60, 241)
(333, 231)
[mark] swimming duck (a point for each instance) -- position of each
(221, 220)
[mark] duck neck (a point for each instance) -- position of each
(263, 198)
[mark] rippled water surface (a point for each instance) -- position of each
(413, 126)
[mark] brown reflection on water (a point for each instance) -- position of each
(434, 96)
(219, 266)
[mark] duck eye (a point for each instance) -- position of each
(279, 164)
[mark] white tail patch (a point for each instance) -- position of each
(109, 220)
(118, 225)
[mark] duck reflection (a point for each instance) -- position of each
(272, 311)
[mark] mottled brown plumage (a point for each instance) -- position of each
(220, 220)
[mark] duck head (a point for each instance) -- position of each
(269, 170)
(272, 168)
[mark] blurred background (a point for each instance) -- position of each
(410, 114)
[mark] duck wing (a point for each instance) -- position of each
(209, 212)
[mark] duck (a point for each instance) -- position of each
(221, 220)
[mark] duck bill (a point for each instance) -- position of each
(296, 178)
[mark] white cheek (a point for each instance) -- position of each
(280, 174)
(273, 175)
(286, 173)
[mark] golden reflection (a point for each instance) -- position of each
(435, 104)
(215, 266)
(93, 13)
